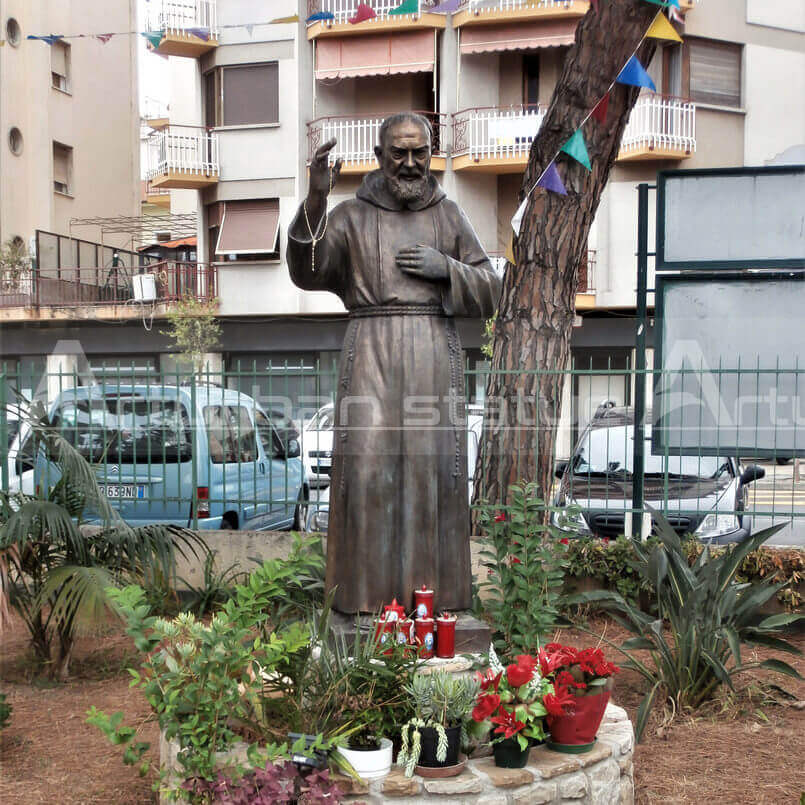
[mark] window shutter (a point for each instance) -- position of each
(715, 73)
(251, 94)
(58, 58)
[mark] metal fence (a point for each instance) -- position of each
(250, 447)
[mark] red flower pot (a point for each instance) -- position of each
(575, 732)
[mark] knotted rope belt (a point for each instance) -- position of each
(369, 311)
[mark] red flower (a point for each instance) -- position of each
(605, 540)
(526, 661)
(485, 706)
(555, 703)
(566, 679)
(500, 517)
(564, 541)
(508, 724)
(519, 674)
(490, 680)
(516, 561)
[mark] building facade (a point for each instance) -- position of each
(250, 102)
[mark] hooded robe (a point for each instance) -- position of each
(399, 513)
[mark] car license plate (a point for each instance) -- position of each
(125, 491)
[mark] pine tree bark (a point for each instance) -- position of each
(535, 314)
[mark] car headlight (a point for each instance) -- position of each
(570, 520)
(715, 525)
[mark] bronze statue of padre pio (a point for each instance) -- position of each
(406, 262)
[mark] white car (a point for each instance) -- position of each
(317, 447)
(20, 462)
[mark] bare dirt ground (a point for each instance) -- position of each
(743, 748)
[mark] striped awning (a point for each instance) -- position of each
(517, 36)
(379, 54)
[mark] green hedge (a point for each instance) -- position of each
(607, 564)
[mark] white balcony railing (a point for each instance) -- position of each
(357, 136)
(344, 10)
(660, 123)
(487, 6)
(177, 16)
(185, 150)
(492, 133)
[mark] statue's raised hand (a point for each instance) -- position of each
(423, 261)
(322, 178)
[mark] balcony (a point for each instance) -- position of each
(384, 22)
(189, 27)
(157, 196)
(357, 137)
(492, 12)
(495, 140)
(110, 292)
(659, 128)
(183, 157)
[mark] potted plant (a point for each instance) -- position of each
(432, 738)
(509, 705)
(369, 754)
(582, 681)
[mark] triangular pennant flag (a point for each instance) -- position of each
(550, 180)
(51, 39)
(362, 13)
(320, 16)
(285, 20)
(510, 252)
(635, 75)
(200, 33)
(446, 7)
(407, 7)
(676, 15)
(104, 37)
(662, 29)
(154, 38)
(600, 111)
(517, 220)
(577, 148)
(249, 29)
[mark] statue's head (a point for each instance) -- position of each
(404, 155)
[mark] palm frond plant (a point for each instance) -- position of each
(216, 588)
(703, 616)
(54, 570)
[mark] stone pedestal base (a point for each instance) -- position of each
(473, 636)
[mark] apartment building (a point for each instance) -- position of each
(69, 119)
(250, 102)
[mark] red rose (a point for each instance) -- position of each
(519, 675)
(559, 703)
(564, 541)
(526, 661)
(485, 706)
(508, 724)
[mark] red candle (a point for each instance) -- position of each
(423, 602)
(446, 635)
(384, 629)
(424, 637)
(405, 631)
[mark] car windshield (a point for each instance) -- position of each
(609, 451)
(322, 420)
(126, 430)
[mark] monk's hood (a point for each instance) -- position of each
(374, 190)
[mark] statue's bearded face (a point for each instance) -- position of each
(404, 158)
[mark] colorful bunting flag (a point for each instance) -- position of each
(446, 7)
(662, 29)
(550, 180)
(407, 7)
(51, 39)
(600, 111)
(285, 20)
(577, 148)
(362, 13)
(510, 252)
(104, 38)
(676, 15)
(635, 75)
(200, 33)
(320, 16)
(154, 38)
(517, 219)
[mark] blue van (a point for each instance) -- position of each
(157, 449)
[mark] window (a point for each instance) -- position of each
(230, 434)
(62, 168)
(246, 95)
(244, 231)
(268, 436)
(531, 79)
(705, 71)
(60, 66)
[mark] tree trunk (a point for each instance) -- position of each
(537, 305)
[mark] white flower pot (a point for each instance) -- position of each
(369, 764)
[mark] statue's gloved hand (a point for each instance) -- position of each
(423, 261)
